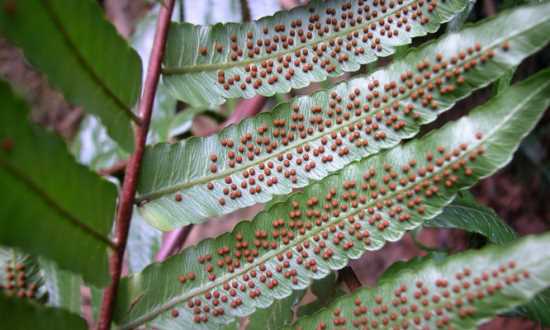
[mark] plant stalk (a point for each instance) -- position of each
(126, 199)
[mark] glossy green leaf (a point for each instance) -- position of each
(82, 55)
(461, 292)
(458, 21)
(51, 206)
(537, 308)
(18, 314)
(204, 65)
(360, 208)
(467, 214)
(316, 135)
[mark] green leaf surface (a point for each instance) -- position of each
(326, 290)
(467, 214)
(204, 65)
(461, 292)
(38, 280)
(51, 206)
(314, 136)
(537, 308)
(17, 314)
(276, 316)
(360, 208)
(63, 287)
(82, 55)
(458, 21)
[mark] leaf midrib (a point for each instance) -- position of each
(215, 66)
(271, 254)
(88, 68)
(230, 171)
(433, 306)
(53, 204)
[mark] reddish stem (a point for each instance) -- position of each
(126, 199)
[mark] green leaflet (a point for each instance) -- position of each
(461, 292)
(363, 206)
(316, 135)
(467, 214)
(82, 55)
(38, 280)
(20, 276)
(63, 287)
(204, 65)
(276, 316)
(51, 206)
(19, 314)
(537, 308)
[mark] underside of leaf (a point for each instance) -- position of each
(204, 65)
(20, 276)
(467, 214)
(314, 136)
(360, 208)
(460, 293)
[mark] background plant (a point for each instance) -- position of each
(345, 150)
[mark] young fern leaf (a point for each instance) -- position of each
(461, 292)
(316, 135)
(204, 65)
(360, 208)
